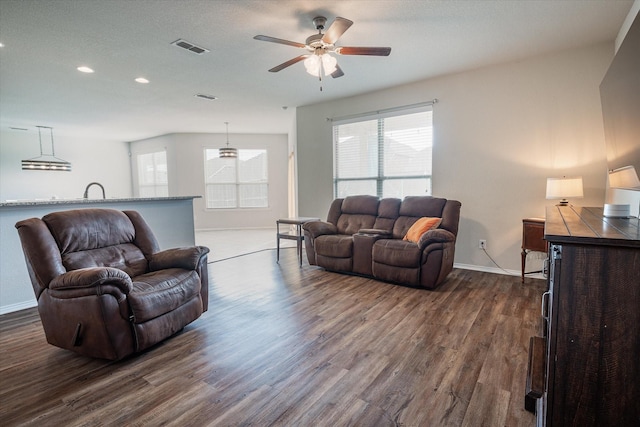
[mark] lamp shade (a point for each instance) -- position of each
(564, 188)
(625, 177)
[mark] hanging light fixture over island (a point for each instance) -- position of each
(47, 162)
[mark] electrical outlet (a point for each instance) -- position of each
(482, 244)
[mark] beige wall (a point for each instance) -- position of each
(185, 153)
(499, 132)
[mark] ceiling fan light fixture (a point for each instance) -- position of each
(312, 65)
(329, 63)
(316, 64)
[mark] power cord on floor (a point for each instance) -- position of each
(493, 261)
(249, 253)
(292, 247)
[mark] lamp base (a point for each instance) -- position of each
(563, 202)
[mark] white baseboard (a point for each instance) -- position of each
(4, 309)
(497, 270)
(204, 230)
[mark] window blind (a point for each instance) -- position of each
(386, 155)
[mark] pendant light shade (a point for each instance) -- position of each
(228, 152)
(47, 162)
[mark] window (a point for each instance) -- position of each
(386, 156)
(236, 183)
(153, 179)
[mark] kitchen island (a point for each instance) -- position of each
(170, 218)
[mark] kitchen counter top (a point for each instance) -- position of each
(47, 202)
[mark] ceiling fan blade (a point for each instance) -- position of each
(281, 41)
(373, 51)
(337, 73)
(288, 63)
(339, 26)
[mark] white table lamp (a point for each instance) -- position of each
(625, 177)
(564, 188)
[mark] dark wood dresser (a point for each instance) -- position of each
(591, 342)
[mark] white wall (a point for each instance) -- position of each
(499, 132)
(104, 161)
(185, 154)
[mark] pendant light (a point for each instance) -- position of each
(48, 162)
(228, 152)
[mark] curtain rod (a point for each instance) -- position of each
(383, 111)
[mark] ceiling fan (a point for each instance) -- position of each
(320, 46)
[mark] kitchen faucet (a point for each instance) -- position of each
(86, 190)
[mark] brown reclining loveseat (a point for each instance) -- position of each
(365, 235)
(104, 287)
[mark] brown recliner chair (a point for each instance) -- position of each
(104, 288)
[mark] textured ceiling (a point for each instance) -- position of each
(123, 39)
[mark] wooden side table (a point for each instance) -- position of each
(532, 239)
(297, 235)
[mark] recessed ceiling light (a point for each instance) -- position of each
(1, 44)
(142, 80)
(84, 69)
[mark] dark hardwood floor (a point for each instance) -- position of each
(288, 346)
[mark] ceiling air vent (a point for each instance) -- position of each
(204, 96)
(190, 46)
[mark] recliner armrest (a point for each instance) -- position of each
(187, 258)
(92, 277)
(319, 228)
(438, 235)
